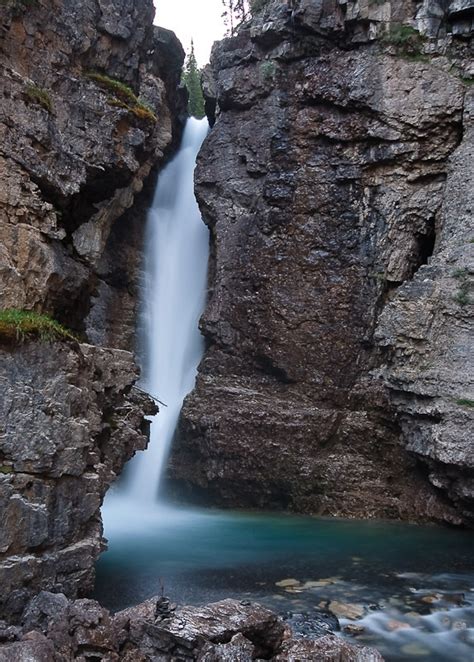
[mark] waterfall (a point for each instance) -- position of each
(174, 291)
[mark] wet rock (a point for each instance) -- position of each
(353, 629)
(346, 610)
(326, 649)
(63, 629)
(288, 583)
(239, 649)
(415, 649)
(430, 599)
(313, 624)
(33, 647)
(393, 625)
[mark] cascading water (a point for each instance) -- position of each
(176, 256)
(200, 556)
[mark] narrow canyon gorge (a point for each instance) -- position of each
(337, 183)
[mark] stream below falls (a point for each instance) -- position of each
(411, 588)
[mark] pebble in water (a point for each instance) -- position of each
(354, 629)
(346, 610)
(285, 583)
(395, 625)
(415, 649)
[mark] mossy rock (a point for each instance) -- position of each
(19, 325)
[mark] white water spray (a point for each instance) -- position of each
(176, 256)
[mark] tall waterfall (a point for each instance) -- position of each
(176, 256)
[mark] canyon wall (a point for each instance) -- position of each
(90, 109)
(337, 185)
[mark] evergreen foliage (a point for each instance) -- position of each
(238, 11)
(192, 80)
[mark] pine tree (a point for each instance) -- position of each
(237, 11)
(192, 80)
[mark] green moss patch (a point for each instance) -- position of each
(408, 42)
(19, 325)
(6, 469)
(465, 402)
(39, 96)
(122, 96)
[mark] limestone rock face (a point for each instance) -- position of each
(90, 107)
(226, 631)
(427, 332)
(75, 152)
(340, 138)
(70, 420)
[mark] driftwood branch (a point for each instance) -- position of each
(153, 397)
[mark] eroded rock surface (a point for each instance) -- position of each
(326, 183)
(155, 630)
(75, 153)
(70, 420)
(427, 332)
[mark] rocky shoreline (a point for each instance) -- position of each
(55, 628)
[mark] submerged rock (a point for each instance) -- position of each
(346, 610)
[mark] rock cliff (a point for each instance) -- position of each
(90, 108)
(336, 184)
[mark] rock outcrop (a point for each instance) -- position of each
(90, 107)
(70, 420)
(54, 628)
(334, 189)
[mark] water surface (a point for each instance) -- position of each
(411, 586)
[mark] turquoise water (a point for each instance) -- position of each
(410, 588)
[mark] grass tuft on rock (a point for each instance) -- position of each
(19, 325)
(122, 96)
(465, 402)
(462, 295)
(408, 41)
(40, 96)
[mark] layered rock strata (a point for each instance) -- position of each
(70, 420)
(54, 628)
(334, 185)
(90, 108)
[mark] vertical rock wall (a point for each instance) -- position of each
(75, 151)
(89, 110)
(338, 130)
